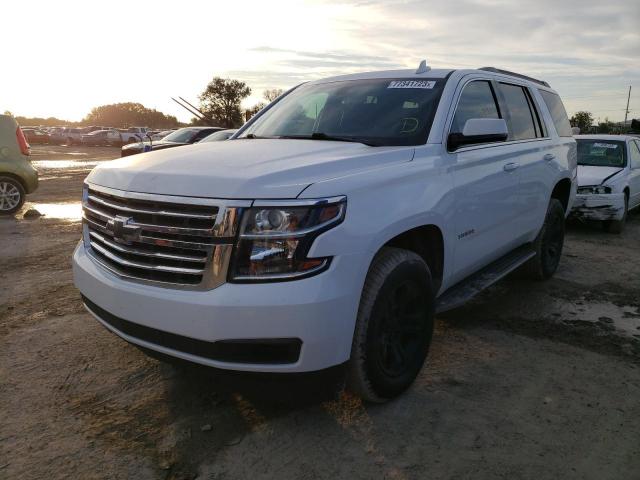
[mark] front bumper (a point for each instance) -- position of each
(608, 206)
(319, 311)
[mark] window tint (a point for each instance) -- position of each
(476, 101)
(558, 113)
(521, 121)
(634, 148)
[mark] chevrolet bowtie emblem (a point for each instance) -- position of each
(122, 231)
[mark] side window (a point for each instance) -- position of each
(634, 148)
(476, 101)
(522, 120)
(558, 113)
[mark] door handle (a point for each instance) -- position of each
(509, 167)
(549, 156)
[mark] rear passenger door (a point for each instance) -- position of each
(486, 185)
(533, 152)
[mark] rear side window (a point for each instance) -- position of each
(522, 119)
(476, 101)
(558, 113)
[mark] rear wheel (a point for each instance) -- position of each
(617, 226)
(394, 326)
(548, 244)
(12, 195)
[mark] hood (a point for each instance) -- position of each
(243, 169)
(593, 175)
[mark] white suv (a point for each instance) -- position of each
(333, 225)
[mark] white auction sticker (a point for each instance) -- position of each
(412, 84)
(605, 145)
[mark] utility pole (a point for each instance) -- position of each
(626, 112)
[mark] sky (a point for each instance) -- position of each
(62, 58)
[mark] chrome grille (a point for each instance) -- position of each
(170, 241)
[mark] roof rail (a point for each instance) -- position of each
(513, 74)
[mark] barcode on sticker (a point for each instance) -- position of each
(412, 84)
(605, 145)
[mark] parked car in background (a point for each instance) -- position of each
(53, 131)
(102, 138)
(17, 176)
(334, 225)
(155, 136)
(67, 136)
(218, 136)
(36, 137)
(182, 136)
(93, 128)
(133, 134)
(608, 179)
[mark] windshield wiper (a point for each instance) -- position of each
(334, 138)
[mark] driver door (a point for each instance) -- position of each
(486, 182)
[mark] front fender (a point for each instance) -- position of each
(387, 202)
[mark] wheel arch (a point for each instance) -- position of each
(16, 178)
(427, 241)
(562, 192)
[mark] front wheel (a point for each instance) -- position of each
(548, 244)
(394, 326)
(12, 195)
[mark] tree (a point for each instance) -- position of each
(7, 112)
(606, 126)
(129, 114)
(49, 122)
(583, 120)
(221, 101)
(271, 94)
(250, 112)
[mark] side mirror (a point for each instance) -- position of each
(479, 130)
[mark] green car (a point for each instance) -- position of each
(17, 175)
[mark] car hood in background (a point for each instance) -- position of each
(243, 169)
(591, 175)
(159, 144)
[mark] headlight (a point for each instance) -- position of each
(599, 189)
(275, 239)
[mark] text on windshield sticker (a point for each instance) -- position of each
(605, 145)
(428, 84)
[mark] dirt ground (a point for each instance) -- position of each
(530, 380)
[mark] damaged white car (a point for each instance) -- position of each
(608, 179)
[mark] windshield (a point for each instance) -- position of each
(377, 112)
(601, 153)
(184, 135)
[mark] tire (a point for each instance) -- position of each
(12, 195)
(617, 226)
(394, 326)
(547, 245)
